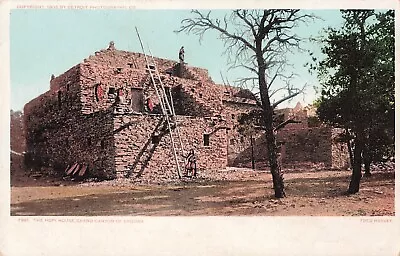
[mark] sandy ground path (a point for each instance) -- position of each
(316, 193)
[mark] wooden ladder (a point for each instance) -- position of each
(167, 107)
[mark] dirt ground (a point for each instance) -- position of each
(234, 192)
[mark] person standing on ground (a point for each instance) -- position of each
(191, 166)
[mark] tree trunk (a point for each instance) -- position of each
(253, 164)
(277, 177)
(367, 162)
(350, 149)
(354, 186)
(367, 172)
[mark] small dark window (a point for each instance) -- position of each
(206, 139)
(89, 142)
(192, 89)
(137, 100)
(233, 116)
(155, 139)
(67, 87)
(200, 95)
(130, 65)
(67, 142)
(119, 70)
(111, 90)
(241, 139)
(102, 144)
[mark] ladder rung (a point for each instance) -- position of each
(151, 67)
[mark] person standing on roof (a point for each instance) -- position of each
(182, 54)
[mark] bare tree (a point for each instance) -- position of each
(257, 40)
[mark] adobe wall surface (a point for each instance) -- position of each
(134, 135)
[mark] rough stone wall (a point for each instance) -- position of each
(239, 150)
(133, 138)
(58, 134)
(311, 145)
(69, 79)
(297, 114)
(129, 60)
(196, 98)
(122, 70)
(192, 73)
(200, 98)
(95, 74)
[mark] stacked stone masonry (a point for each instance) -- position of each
(97, 115)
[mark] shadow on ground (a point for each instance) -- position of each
(314, 195)
(180, 200)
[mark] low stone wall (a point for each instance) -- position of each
(240, 149)
(297, 146)
(306, 145)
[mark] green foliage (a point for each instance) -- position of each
(313, 121)
(357, 77)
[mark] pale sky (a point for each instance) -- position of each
(50, 41)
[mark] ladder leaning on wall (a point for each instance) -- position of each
(167, 107)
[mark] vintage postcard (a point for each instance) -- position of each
(152, 129)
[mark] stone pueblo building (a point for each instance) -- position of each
(102, 118)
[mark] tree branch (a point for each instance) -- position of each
(203, 23)
(285, 99)
(283, 124)
(243, 17)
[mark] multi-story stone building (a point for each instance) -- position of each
(102, 117)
